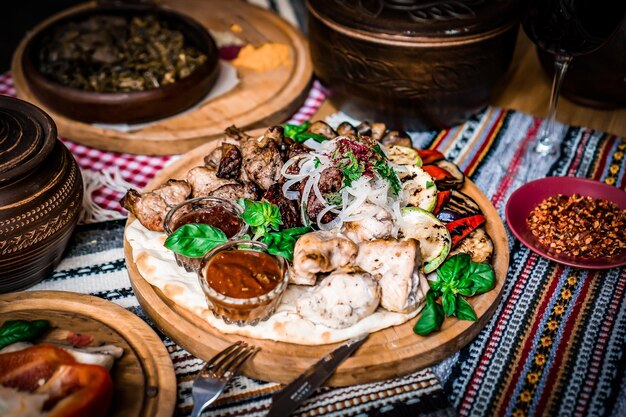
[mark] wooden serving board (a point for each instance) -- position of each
(388, 353)
(144, 383)
(260, 99)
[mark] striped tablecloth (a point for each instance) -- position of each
(555, 345)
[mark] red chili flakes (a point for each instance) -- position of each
(579, 226)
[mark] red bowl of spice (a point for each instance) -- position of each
(563, 218)
(217, 212)
(243, 283)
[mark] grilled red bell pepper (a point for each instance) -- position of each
(79, 390)
(459, 229)
(442, 198)
(438, 173)
(428, 156)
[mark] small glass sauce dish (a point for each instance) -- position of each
(243, 283)
(217, 212)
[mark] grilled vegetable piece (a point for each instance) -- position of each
(434, 238)
(322, 128)
(364, 129)
(397, 137)
(403, 155)
(430, 156)
(378, 131)
(478, 245)
(461, 228)
(460, 205)
(346, 129)
(422, 189)
(442, 198)
(455, 171)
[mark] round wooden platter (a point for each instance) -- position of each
(144, 382)
(261, 98)
(388, 353)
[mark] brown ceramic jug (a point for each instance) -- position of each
(41, 192)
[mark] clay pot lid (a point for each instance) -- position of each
(418, 20)
(27, 136)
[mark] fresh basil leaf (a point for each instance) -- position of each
(282, 243)
(466, 286)
(436, 285)
(194, 240)
(431, 318)
(448, 299)
(483, 277)
(291, 130)
(13, 331)
(464, 310)
(455, 268)
(260, 215)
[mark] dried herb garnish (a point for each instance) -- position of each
(109, 54)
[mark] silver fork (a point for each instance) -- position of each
(212, 379)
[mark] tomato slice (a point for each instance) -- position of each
(25, 369)
(79, 390)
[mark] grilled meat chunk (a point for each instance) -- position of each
(396, 266)
(377, 225)
(230, 161)
(288, 208)
(397, 137)
(346, 129)
(204, 181)
(321, 251)
(331, 180)
(151, 207)
(322, 128)
(261, 160)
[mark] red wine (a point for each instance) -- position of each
(572, 27)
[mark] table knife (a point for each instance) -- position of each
(289, 398)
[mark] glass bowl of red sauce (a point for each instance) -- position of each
(243, 283)
(214, 211)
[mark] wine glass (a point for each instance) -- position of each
(566, 29)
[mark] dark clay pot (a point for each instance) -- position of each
(127, 107)
(414, 64)
(41, 192)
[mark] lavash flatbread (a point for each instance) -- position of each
(158, 266)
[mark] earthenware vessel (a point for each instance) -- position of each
(125, 107)
(41, 192)
(414, 64)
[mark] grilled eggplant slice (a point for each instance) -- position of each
(460, 205)
(456, 179)
(478, 245)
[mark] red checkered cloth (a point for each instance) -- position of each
(138, 170)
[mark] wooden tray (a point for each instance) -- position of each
(144, 382)
(260, 99)
(388, 353)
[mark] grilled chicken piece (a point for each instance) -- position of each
(288, 208)
(377, 225)
(230, 161)
(151, 208)
(204, 181)
(213, 159)
(341, 300)
(275, 133)
(396, 265)
(261, 160)
(321, 251)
